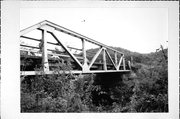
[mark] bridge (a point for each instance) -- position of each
(42, 52)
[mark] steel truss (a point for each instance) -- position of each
(85, 65)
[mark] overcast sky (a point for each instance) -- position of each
(140, 30)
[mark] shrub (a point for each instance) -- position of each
(59, 92)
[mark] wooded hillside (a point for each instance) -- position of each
(145, 89)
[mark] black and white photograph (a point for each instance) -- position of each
(124, 70)
(95, 59)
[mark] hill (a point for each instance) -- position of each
(135, 56)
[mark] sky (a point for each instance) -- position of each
(140, 30)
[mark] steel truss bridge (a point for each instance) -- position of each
(102, 59)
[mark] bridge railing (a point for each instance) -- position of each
(116, 58)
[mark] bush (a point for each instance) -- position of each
(151, 87)
(56, 93)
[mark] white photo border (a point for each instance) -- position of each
(10, 63)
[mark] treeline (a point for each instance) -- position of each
(145, 89)
(150, 77)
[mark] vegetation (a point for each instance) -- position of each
(144, 90)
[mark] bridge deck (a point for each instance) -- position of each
(73, 72)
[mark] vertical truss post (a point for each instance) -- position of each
(124, 64)
(110, 59)
(120, 60)
(84, 66)
(115, 57)
(84, 52)
(44, 51)
(129, 63)
(104, 59)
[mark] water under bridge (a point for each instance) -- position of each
(42, 46)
